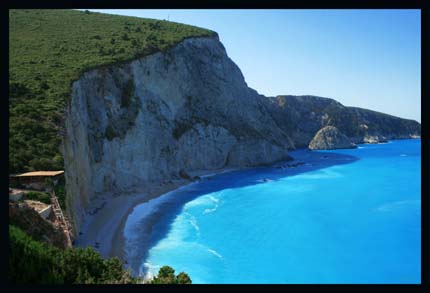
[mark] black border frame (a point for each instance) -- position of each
(424, 5)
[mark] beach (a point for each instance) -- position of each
(104, 229)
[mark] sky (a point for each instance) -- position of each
(363, 58)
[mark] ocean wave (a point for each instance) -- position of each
(213, 198)
(214, 253)
(207, 211)
(398, 204)
(320, 174)
(193, 222)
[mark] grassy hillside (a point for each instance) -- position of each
(48, 50)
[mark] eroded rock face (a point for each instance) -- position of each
(330, 138)
(189, 108)
(185, 109)
(301, 117)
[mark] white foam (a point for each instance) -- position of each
(193, 223)
(398, 204)
(214, 253)
(216, 173)
(207, 211)
(213, 198)
(326, 173)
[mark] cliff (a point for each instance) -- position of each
(185, 109)
(329, 138)
(188, 108)
(303, 116)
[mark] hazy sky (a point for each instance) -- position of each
(363, 58)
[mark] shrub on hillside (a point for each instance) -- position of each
(39, 196)
(33, 262)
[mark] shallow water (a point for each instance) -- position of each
(346, 216)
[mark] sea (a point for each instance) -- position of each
(347, 216)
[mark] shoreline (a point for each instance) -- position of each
(104, 230)
(106, 227)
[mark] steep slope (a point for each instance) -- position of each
(162, 116)
(302, 116)
(187, 109)
(48, 50)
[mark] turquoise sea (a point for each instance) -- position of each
(344, 216)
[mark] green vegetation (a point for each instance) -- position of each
(34, 262)
(39, 196)
(166, 275)
(48, 50)
(60, 192)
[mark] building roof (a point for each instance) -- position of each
(40, 173)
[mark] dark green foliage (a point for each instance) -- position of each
(48, 50)
(31, 261)
(166, 275)
(39, 196)
(34, 262)
(183, 278)
(60, 192)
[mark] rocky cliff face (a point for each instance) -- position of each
(185, 109)
(302, 116)
(329, 138)
(189, 109)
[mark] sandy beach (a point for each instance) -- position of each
(103, 230)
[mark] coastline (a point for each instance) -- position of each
(104, 230)
(106, 227)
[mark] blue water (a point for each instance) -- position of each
(346, 216)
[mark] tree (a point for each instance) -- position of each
(183, 278)
(166, 275)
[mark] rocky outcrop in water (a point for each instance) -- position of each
(330, 138)
(188, 109)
